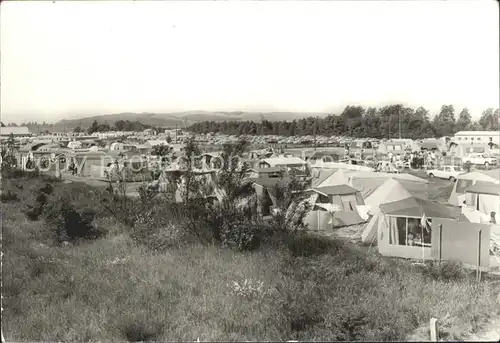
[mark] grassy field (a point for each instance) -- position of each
(112, 289)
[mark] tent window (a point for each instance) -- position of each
(323, 199)
(409, 232)
(349, 202)
(401, 229)
(359, 199)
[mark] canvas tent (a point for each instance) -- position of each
(334, 206)
(367, 182)
(400, 231)
(390, 191)
(265, 191)
(466, 180)
(484, 197)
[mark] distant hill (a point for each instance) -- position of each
(180, 119)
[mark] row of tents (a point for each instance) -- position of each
(396, 215)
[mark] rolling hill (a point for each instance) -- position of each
(181, 119)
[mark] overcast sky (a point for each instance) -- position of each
(66, 59)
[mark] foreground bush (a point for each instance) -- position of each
(310, 289)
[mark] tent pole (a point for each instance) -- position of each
(440, 242)
(478, 272)
(423, 241)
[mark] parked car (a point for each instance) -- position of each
(483, 159)
(446, 172)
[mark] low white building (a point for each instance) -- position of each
(482, 137)
(16, 131)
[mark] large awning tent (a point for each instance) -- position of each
(334, 206)
(464, 181)
(404, 227)
(390, 191)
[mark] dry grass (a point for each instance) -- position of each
(111, 289)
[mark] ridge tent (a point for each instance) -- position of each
(334, 206)
(367, 182)
(390, 191)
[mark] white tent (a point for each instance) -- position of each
(484, 197)
(390, 191)
(340, 177)
(464, 181)
(368, 182)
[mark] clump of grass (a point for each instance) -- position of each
(445, 271)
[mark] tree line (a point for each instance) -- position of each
(357, 121)
(119, 125)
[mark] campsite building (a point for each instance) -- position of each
(466, 180)
(16, 131)
(477, 137)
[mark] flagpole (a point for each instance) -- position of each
(423, 222)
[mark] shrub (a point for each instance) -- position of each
(446, 271)
(69, 223)
(35, 211)
(9, 196)
(306, 245)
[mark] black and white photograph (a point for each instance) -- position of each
(250, 170)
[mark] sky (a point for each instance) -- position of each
(66, 59)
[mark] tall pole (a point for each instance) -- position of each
(314, 128)
(390, 117)
(399, 115)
